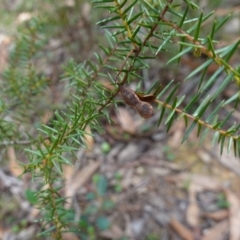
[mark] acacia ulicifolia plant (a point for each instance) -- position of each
(145, 29)
(137, 31)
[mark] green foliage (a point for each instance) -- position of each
(222, 201)
(88, 229)
(105, 147)
(135, 34)
(31, 196)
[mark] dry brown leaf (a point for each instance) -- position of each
(89, 141)
(107, 84)
(201, 182)
(181, 230)
(176, 134)
(216, 216)
(79, 179)
(14, 167)
(193, 211)
(217, 232)
(70, 236)
(68, 172)
(126, 121)
(47, 115)
(234, 215)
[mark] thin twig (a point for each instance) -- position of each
(124, 63)
(195, 119)
(204, 50)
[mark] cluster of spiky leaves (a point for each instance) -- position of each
(136, 32)
(145, 28)
(48, 144)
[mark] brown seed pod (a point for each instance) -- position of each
(144, 109)
(129, 96)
